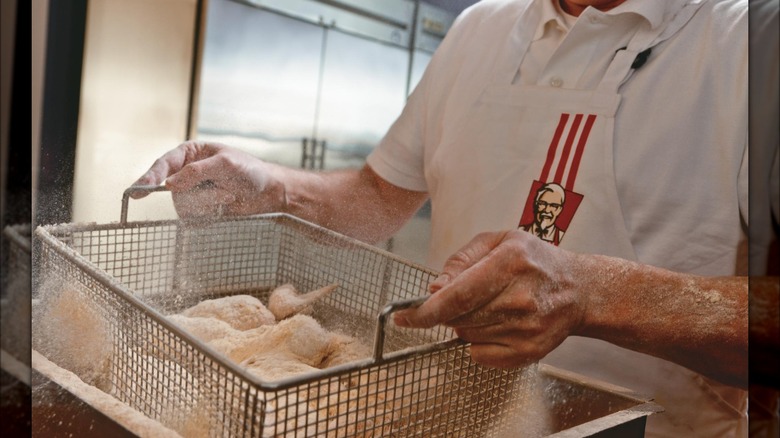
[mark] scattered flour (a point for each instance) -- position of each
(73, 332)
(700, 295)
(131, 419)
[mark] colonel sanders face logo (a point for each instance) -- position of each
(548, 205)
(547, 213)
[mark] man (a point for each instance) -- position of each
(547, 206)
(619, 102)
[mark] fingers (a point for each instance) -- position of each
(472, 289)
(174, 161)
(497, 311)
(469, 282)
(501, 332)
(514, 344)
(201, 202)
(450, 303)
(164, 166)
(504, 346)
(497, 347)
(193, 175)
(466, 257)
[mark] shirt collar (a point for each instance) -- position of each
(653, 11)
(550, 13)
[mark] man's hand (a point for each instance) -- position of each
(510, 294)
(212, 178)
(516, 298)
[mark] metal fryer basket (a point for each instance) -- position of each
(423, 383)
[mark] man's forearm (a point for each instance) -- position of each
(353, 202)
(698, 322)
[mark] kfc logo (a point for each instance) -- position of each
(551, 202)
(549, 211)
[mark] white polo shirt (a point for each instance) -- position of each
(680, 157)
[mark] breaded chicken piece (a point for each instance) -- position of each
(242, 312)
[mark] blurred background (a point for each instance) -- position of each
(305, 83)
(93, 91)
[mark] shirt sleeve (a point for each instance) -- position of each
(398, 158)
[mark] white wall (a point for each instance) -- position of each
(134, 97)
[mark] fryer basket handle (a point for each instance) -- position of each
(379, 339)
(136, 189)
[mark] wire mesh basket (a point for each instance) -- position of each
(417, 383)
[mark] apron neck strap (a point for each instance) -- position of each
(619, 70)
(639, 47)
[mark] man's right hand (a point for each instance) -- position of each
(212, 178)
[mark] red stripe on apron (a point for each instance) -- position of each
(575, 165)
(575, 126)
(553, 146)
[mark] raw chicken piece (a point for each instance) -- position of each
(344, 349)
(285, 300)
(272, 367)
(242, 312)
(234, 346)
(304, 339)
(298, 345)
(298, 338)
(206, 329)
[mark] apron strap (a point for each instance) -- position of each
(622, 65)
(619, 70)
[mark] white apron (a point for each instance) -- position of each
(526, 144)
